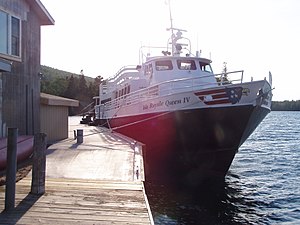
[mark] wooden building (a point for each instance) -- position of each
(54, 114)
(20, 41)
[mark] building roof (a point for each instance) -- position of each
(41, 11)
(48, 99)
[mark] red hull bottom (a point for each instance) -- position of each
(24, 150)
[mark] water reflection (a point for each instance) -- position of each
(262, 186)
(213, 203)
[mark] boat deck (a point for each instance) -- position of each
(99, 181)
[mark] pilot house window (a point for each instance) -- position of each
(148, 70)
(163, 65)
(205, 67)
(186, 64)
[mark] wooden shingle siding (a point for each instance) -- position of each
(17, 8)
(21, 87)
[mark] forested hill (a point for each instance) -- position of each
(70, 85)
(286, 106)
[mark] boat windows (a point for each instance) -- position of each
(163, 65)
(205, 67)
(186, 64)
(148, 70)
(127, 89)
(123, 91)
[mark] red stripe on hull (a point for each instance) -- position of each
(217, 96)
(210, 92)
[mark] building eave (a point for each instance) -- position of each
(42, 12)
(47, 99)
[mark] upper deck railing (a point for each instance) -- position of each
(125, 73)
(233, 78)
(172, 87)
(122, 72)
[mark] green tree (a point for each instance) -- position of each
(94, 86)
(68, 85)
(56, 86)
(286, 106)
(72, 87)
(82, 86)
(59, 86)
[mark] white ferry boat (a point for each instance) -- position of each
(191, 120)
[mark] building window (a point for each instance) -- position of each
(10, 34)
(15, 36)
(3, 32)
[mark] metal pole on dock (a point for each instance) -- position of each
(11, 169)
(79, 136)
(39, 164)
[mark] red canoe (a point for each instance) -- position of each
(24, 149)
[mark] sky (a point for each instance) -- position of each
(99, 37)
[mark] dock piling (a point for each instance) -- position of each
(39, 164)
(79, 136)
(86, 186)
(11, 169)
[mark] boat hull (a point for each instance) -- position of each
(24, 150)
(191, 145)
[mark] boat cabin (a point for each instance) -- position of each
(165, 72)
(159, 70)
(162, 69)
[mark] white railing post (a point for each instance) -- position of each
(242, 76)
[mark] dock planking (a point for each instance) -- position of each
(90, 183)
(76, 201)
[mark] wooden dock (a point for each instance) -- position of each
(99, 181)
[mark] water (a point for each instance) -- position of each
(262, 186)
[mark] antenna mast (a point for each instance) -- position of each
(176, 48)
(171, 28)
